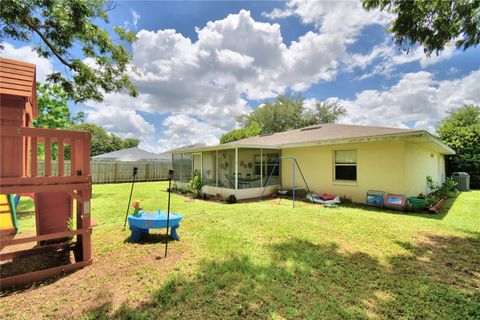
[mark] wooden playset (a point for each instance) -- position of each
(54, 194)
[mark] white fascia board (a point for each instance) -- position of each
(395, 136)
(448, 150)
(227, 147)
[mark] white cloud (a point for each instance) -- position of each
(133, 22)
(417, 98)
(122, 122)
(386, 58)
(234, 59)
(202, 85)
(341, 22)
(344, 19)
(135, 18)
(183, 130)
(27, 54)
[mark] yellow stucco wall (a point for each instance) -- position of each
(395, 166)
(420, 162)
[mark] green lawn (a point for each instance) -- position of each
(267, 260)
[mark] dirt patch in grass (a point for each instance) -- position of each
(122, 276)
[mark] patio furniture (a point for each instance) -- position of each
(241, 182)
(245, 182)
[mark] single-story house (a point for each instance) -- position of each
(347, 160)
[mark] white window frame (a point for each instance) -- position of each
(335, 164)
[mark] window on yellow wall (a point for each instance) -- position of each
(346, 165)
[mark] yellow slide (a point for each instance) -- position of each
(8, 215)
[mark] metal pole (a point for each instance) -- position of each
(293, 187)
(135, 169)
(170, 175)
(269, 176)
(301, 173)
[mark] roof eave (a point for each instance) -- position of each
(448, 150)
(391, 136)
(227, 147)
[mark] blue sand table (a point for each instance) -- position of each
(140, 225)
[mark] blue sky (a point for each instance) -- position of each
(203, 63)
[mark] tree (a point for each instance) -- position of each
(432, 24)
(285, 113)
(53, 113)
(242, 133)
(61, 26)
(325, 112)
(102, 142)
(100, 138)
(461, 131)
(53, 110)
(130, 143)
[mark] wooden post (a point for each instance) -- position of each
(86, 158)
(115, 173)
(34, 162)
(26, 156)
(73, 158)
(48, 157)
(61, 158)
(147, 172)
(80, 160)
(83, 222)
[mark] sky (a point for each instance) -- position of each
(203, 63)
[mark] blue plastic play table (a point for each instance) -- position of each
(140, 225)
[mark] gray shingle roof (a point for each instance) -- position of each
(189, 147)
(133, 154)
(319, 132)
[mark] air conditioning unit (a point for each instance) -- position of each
(462, 179)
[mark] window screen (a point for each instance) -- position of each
(346, 165)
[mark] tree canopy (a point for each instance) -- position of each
(53, 110)
(242, 133)
(102, 142)
(54, 113)
(461, 131)
(432, 24)
(325, 112)
(285, 113)
(64, 25)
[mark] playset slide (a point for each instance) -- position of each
(8, 215)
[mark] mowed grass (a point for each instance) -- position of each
(267, 260)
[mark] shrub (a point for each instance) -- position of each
(195, 185)
(441, 190)
(231, 199)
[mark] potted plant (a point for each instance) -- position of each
(418, 203)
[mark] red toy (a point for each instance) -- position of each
(54, 195)
(327, 196)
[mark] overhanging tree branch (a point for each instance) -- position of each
(29, 23)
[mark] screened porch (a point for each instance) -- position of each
(235, 168)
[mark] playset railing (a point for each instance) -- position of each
(24, 143)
